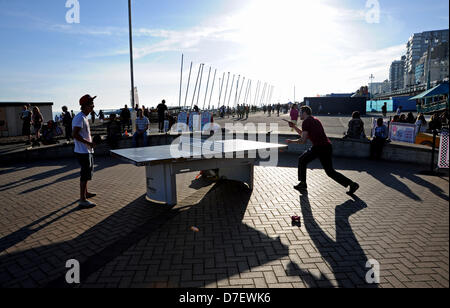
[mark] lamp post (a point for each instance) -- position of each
(131, 53)
(372, 77)
(133, 113)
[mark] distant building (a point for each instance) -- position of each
(10, 122)
(420, 72)
(438, 70)
(438, 62)
(417, 45)
(379, 87)
(397, 74)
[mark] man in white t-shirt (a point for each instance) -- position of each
(84, 148)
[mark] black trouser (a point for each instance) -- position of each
(68, 130)
(324, 153)
(376, 147)
(161, 123)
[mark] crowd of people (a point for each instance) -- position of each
(40, 132)
(120, 124)
(381, 132)
(240, 111)
(117, 126)
(78, 128)
(423, 126)
(37, 130)
(271, 109)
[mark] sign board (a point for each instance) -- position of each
(443, 151)
(182, 121)
(206, 119)
(402, 132)
(196, 125)
(194, 121)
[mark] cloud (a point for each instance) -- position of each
(318, 47)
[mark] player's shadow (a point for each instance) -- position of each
(385, 172)
(344, 255)
(166, 249)
(36, 226)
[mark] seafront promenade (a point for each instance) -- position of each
(245, 239)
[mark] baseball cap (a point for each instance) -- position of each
(87, 99)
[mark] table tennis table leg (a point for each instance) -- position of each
(242, 173)
(161, 184)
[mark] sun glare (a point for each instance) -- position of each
(286, 38)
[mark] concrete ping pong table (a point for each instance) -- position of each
(163, 163)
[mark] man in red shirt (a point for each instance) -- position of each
(312, 129)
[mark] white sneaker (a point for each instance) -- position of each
(87, 204)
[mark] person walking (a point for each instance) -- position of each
(84, 148)
(67, 122)
(294, 115)
(312, 129)
(125, 117)
(162, 109)
(101, 116)
(384, 110)
(93, 115)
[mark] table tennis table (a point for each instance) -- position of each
(232, 159)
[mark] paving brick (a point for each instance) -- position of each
(246, 239)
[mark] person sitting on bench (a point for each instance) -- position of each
(50, 132)
(142, 124)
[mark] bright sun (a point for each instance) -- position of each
(287, 38)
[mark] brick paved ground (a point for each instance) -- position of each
(246, 239)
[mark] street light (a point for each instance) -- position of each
(131, 54)
(372, 77)
(133, 113)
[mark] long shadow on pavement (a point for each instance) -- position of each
(345, 255)
(384, 172)
(70, 165)
(224, 245)
(36, 226)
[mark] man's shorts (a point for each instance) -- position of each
(87, 166)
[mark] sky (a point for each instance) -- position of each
(315, 47)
